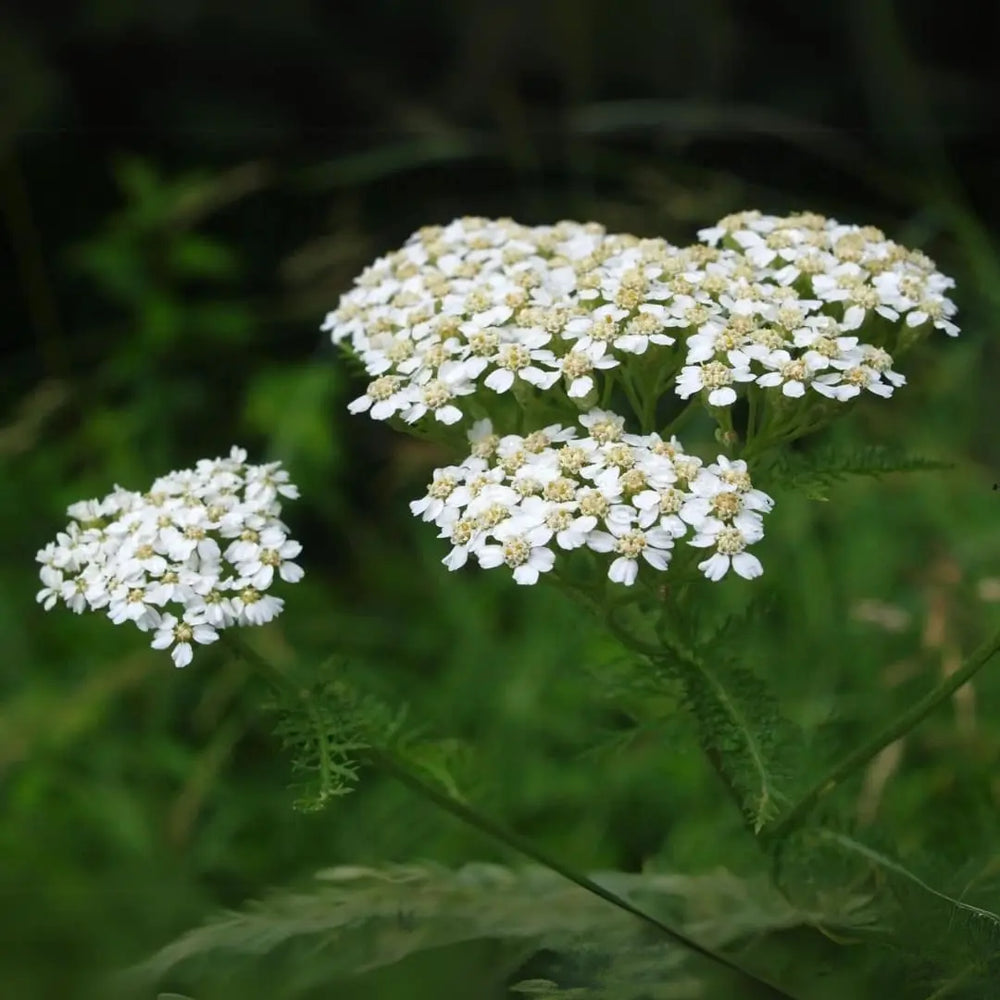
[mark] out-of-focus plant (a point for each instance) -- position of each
(759, 337)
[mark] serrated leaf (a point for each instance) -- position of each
(354, 919)
(813, 472)
(742, 729)
(327, 728)
(740, 724)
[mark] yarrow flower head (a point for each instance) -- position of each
(628, 496)
(478, 309)
(855, 266)
(196, 553)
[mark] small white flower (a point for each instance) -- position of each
(522, 548)
(853, 376)
(730, 541)
(265, 483)
(715, 378)
(180, 634)
(50, 594)
(385, 396)
(630, 542)
(563, 518)
(439, 492)
(252, 607)
(436, 395)
(131, 603)
(275, 552)
(792, 374)
(483, 439)
(664, 506)
(603, 425)
(599, 327)
(578, 366)
(517, 360)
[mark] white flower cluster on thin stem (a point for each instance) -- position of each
(518, 501)
(194, 554)
(786, 304)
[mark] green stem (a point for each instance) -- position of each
(392, 766)
(753, 415)
(649, 413)
(484, 824)
(901, 725)
(632, 396)
(672, 651)
(682, 418)
(278, 680)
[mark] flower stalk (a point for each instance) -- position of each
(907, 720)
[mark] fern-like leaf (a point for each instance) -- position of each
(814, 472)
(743, 732)
(326, 728)
(356, 919)
(942, 944)
(740, 724)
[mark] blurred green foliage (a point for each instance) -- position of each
(166, 295)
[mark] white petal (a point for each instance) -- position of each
(499, 380)
(360, 404)
(600, 541)
(291, 572)
(715, 567)
(659, 539)
(457, 558)
(204, 634)
(725, 396)
(448, 415)
(490, 556)
(624, 571)
(657, 558)
(747, 565)
(162, 639)
(182, 654)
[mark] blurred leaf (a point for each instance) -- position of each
(357, 919)
(292, 406)
(198, 257)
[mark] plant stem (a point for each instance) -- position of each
(484, 824)
(393, 766)
(275, 677)
(681, 419)
(901, 725)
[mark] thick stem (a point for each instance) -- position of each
(901, 725)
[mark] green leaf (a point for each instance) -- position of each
(326, 729)
(739, 720)
(814, 472)
(357, 919)
(944, 945)
(196, 256)
(893, 867)
(742, 730)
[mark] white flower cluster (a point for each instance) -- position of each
(854, 265)
(782, 304)
(516, 501)
(194, 554)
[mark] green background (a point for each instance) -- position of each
(187, 188)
